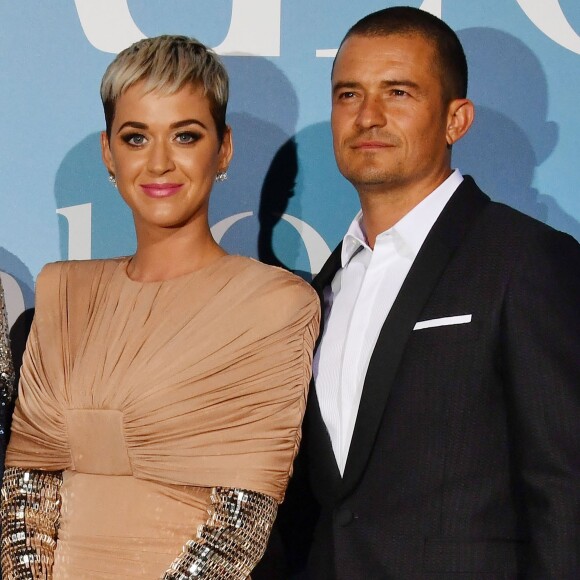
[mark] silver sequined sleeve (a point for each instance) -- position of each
(6, 371)
(232, 541)
(30, 514)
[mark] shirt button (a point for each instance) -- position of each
(344, 517)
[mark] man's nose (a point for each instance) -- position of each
(372, 112)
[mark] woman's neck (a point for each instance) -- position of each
(162, 257)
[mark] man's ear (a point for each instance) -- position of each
(460, 116)
(106, 154)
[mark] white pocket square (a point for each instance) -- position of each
(445, 321)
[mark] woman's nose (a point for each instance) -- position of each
(160, 159)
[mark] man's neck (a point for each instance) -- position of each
(382, 209)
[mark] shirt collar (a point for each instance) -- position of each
(412, 228)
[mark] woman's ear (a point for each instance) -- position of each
(226, 151)
(106, 153)
(460, 116)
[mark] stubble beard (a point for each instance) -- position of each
(371, 179)
(365, 171)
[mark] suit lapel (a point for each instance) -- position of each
(323, 467)
(330, 268)
(455, 220)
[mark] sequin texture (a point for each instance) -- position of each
(233, 539)
(30, 513)
(6, 368)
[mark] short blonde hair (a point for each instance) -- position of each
(167, 64)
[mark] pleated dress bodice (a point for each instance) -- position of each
(147, 395)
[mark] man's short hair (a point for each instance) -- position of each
(409, 21)
(167, 64)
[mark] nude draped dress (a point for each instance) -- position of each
(147, 395)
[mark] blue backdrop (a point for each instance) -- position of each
(285, 200)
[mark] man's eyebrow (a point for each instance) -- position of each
(345, 84)
(399, 83)
(387, 83)
(341, 85)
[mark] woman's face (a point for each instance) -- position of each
(164, 153)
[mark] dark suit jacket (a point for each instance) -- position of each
(465, 458)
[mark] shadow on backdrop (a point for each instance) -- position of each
(13, 265)
(277, 190)
(82, 178)
(329, 201)
(317, 194)
(263, 116)
(511, 135)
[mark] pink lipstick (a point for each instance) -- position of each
(158, 190)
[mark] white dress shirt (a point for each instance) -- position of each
(356, 305)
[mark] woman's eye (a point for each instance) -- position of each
(134, 139)
(187, 137)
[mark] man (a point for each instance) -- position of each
(442, 438)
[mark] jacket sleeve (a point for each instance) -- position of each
(231, 542)
(540, 360)
(30, 514)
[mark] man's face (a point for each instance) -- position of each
(389, 115)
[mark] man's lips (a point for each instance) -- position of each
(371, 144)
(161, 189)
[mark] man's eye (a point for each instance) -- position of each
(187, 137)
(346, 95)
(135, 139)
(399, 92)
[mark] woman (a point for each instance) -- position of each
(161, 387)
(6, 377)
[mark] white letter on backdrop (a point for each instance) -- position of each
(254, 26)
(219, 230)
(548, 16)
(108, 24)
(79, 230)
(316, 247)
(435, 7)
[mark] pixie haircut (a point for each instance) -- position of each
(167, 64)
(409, 21)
